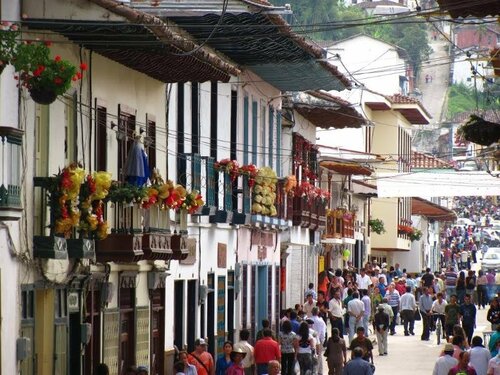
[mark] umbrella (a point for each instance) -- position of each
(137, 166)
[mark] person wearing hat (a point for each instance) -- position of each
(381, 322)
(236, 367)
(142, 370)
(201, 359)
(446, 362)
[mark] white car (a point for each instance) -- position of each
(464, 221)
(491, 259)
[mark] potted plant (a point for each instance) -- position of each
(415, 235)
(377, 226)
(46, 78)
(9, 32)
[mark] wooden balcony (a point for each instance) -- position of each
(200, 175)
(224, 198)
(11, 140)
(156, 237)
(340, 225)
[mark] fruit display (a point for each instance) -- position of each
(264, 192)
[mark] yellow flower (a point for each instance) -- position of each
(102, 185)
(102, 230)
(92, 220)
(181, 191)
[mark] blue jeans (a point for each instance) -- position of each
(353, 325)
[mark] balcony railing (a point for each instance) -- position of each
(340, 224)
(200, 175)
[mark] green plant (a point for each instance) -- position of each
(9, 32)
(377, 226)
(415, 235)
(37, 70)
(126, 193)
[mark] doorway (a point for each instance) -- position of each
(179, 313)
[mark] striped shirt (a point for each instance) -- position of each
(451, 278)
(392, 298)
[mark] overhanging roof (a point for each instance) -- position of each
(410, 108)
(420, 206)
(346, 167)
(325, 110)
(420, 160)
(130, 37)
(265, 44)
(475, 8)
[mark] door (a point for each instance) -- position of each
(93, 317)
(157, 331)
(262, 293)
(179, 313)
(127, 347)
(192, 302)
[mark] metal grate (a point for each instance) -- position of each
(110, 340)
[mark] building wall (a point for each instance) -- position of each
(462, 71)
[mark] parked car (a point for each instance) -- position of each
(491, 259)
(462, 221)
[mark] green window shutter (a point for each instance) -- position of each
(271, 134)
(245, 130)
(255, 122)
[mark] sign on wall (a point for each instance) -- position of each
(221, 255)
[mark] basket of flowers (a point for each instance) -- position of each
(9, 33)
(231, 167)
(45, 77)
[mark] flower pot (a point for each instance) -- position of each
(41, 95)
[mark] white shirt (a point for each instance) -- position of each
(494, 365)
(407, 302)
(248, 360)
(363, 281)
(356, 307)
(307, 307)
(439, 308)
(320, 327)
(335, 307)
(444, 364)
(479, 358)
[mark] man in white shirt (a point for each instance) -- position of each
(320, 327)
(248, 362)
(355, 309)
(445, 363)
(407, 307)
(368, 309)
(479, 356)
(363, 280)
(335, 312)
(309, 305)
(438, 309)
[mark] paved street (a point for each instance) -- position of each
(410, 355)
(434, 91)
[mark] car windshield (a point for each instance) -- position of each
(491, 256)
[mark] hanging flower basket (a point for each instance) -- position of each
(9, 33)
(45, 77)
(376, 226)
(42, 95)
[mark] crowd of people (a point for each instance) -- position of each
(480, 210)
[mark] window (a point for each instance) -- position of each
(28, 326)
(195, 118)
(150, 141)
(213, 118)
(101, 137)
(255, 129)
(264, 133)
(61, 332)
(181, 160)
(126, 131)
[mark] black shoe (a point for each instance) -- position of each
(385, 353)
(407, 334)
(393, 333)
(412, 333)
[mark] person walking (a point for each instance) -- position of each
(493, 315)
(445, 362)
(392, 296)
(460, 287)
(266, 350)
(494, 364)
(335, 312)
(451, 316)
(224, 360)
(319, 327)
(438, 311)
(305, 349)
(425, 306)
(236, 367)
(188, 368)
(364, 343)
(357, 366)
(248, 362)
(381, 326)
(470, 284)
(288, 341)
(201, 359)
(336, 353)
(463, 368)
(355, 309)
(482, 292)
(367, 310)
(407, 307)
(468, 317)
(479, 356)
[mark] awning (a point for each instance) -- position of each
(409, 107)
(265, 44)
(346, 167)
(420, 206)
(364, 188)
(130, 37)
(475, 8)
(325, 110)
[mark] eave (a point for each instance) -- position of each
(345, 167)
(411, 109)
(325, 111)
(265, 44)
(477, 8)
(420, 206)
(135, 39)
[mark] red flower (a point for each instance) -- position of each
(58, 80)
(48, 43)
(37, 73)
(78, 75)
(83, 66)
(57, 58)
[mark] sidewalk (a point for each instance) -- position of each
(409, 355)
